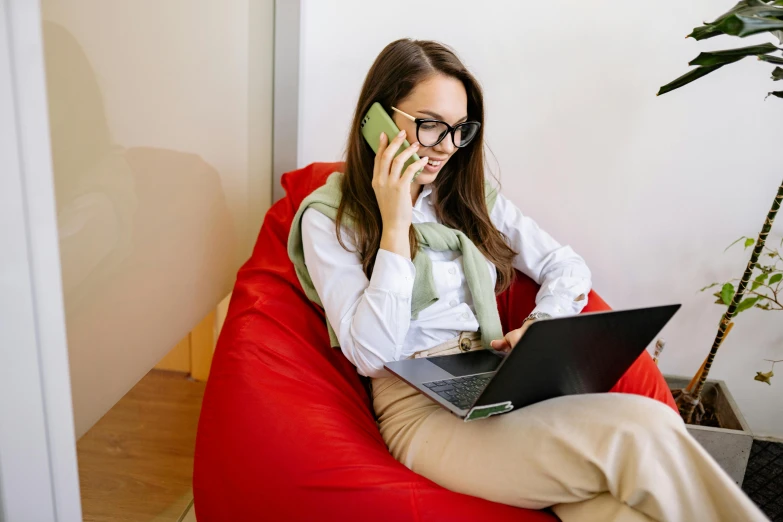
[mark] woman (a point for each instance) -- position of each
(592, 457)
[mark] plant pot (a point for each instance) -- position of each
(730, 444)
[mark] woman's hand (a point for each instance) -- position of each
(511, 338)
(393, 191)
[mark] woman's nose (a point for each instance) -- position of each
(446, 146)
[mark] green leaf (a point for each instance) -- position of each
(742, 26)
(775, 279)
(726, 293)
(704, 31)
(749, 242)
(746, 304)
(759, 10)
(731, 55)
(689, 77)
(742, 5)
(748, 9)
(708, 287)
(778, 94)
(737, 241)
(777, 74)
(758, 281)
(771, 59)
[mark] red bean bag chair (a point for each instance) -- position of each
(287, 432)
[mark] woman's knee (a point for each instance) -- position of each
(644, 413)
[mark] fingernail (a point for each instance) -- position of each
(383, 136)
(425, 158)
(402, 133)
(415, 145)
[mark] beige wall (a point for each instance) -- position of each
(161, 116)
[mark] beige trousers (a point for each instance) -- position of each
(593, 458)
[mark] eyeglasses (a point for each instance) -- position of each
(430, 132)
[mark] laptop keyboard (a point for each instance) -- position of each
(462, 392)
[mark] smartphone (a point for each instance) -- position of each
(376, 121)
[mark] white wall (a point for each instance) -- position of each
(161, 118)
(649, 190)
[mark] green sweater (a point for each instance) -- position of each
(435, 236)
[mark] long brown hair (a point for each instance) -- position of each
(460, 201)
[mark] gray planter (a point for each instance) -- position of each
(730, 444)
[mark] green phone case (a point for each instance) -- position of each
(377, 120)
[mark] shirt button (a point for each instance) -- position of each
(465, 317)
(454, 302)
(452, 270)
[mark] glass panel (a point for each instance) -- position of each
(161, 121)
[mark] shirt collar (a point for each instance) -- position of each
(426, 190)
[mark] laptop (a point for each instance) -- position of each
(586, 353)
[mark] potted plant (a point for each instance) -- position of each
(765, 293)
(701, 401)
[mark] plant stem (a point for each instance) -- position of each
(729, 314)
(768, 298)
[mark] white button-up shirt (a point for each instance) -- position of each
(372, 318)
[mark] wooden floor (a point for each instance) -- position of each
(136, 463)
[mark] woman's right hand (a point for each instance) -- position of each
(393, 191)
(392, 186)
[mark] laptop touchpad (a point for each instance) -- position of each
(480, 361)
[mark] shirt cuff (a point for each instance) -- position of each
(393, 273)
(559, 306)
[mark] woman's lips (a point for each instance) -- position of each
(429, 167)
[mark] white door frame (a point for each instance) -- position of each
(38, 473)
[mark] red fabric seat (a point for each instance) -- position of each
(286, 430)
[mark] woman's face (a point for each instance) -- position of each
(440, 97)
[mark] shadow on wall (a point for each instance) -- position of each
(147, 242)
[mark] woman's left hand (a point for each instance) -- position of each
(511, 338)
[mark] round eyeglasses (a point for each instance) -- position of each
(430, 132)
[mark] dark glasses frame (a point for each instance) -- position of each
(451, 130)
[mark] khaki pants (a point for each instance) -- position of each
(594, 458)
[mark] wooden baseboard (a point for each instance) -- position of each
(202, 346)
(193, 354)
(178, 359)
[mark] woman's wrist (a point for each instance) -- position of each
(397, 241)
(535, 316)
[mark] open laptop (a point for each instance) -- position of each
(585, 353)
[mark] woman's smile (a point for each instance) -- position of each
(433, 165)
